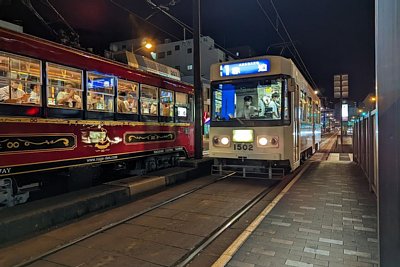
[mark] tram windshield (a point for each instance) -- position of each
(249, 100)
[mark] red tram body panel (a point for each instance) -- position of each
(32, 139)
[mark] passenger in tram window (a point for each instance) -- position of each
(69, 98)
(132, 103)
(122, 104)
(17, 94)
(248, 110)
(34, 97)
(274, 104)
(153, 109)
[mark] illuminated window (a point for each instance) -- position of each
(20, 80)
(100, 95)
(149, 100)
(182, 105)
(166, 103)
(64, 87)
(189, 67)
(127, 100)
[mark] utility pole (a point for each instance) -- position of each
(198, 90)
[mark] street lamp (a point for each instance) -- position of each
(145, 44)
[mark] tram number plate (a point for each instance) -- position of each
(243, 147)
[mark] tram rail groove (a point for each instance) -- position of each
(117, 223)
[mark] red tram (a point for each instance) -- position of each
(62, 108)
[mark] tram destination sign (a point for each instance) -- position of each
(245, 68)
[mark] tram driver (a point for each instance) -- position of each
(248, 109)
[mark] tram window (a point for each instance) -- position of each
(166, 103)
(182, 103)
(303, 106)
(64, 87)
(149, 100)
(127, 101)
(286, 113)
(20, 80)
(100, 94)
(252, 100)
(310, 110)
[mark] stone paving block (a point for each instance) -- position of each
(358, 264)
(314, 261)
(235, 263)
(297, 263)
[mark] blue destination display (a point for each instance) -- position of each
(101, 82)
(245, 68)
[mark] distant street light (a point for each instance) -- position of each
(373, 98)
(146, 45)
(316, 92)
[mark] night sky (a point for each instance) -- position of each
(332, 36)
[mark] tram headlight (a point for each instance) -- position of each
(263, 141)
(225, 140)
(221, 141)
(267, 141)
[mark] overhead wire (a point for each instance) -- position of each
(144, 20)
(176, 20)
(296, 56)
(185, 26)
(294, 46)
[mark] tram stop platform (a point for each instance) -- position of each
(327, 218)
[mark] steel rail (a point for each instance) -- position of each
(117, 223)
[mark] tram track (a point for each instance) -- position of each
(195, 250)
(120, 222)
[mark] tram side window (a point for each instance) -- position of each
(20, 80)
(286, 113)
(166, 103)
(149, 100)
(183, 103)
(310, 110)
(127, 101)
(303, 106)
(100, 94)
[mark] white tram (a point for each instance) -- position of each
(265, 117)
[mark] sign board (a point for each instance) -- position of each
(345, 112)
(341, 86)
(245, 68)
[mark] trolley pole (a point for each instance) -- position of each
(198, 89)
